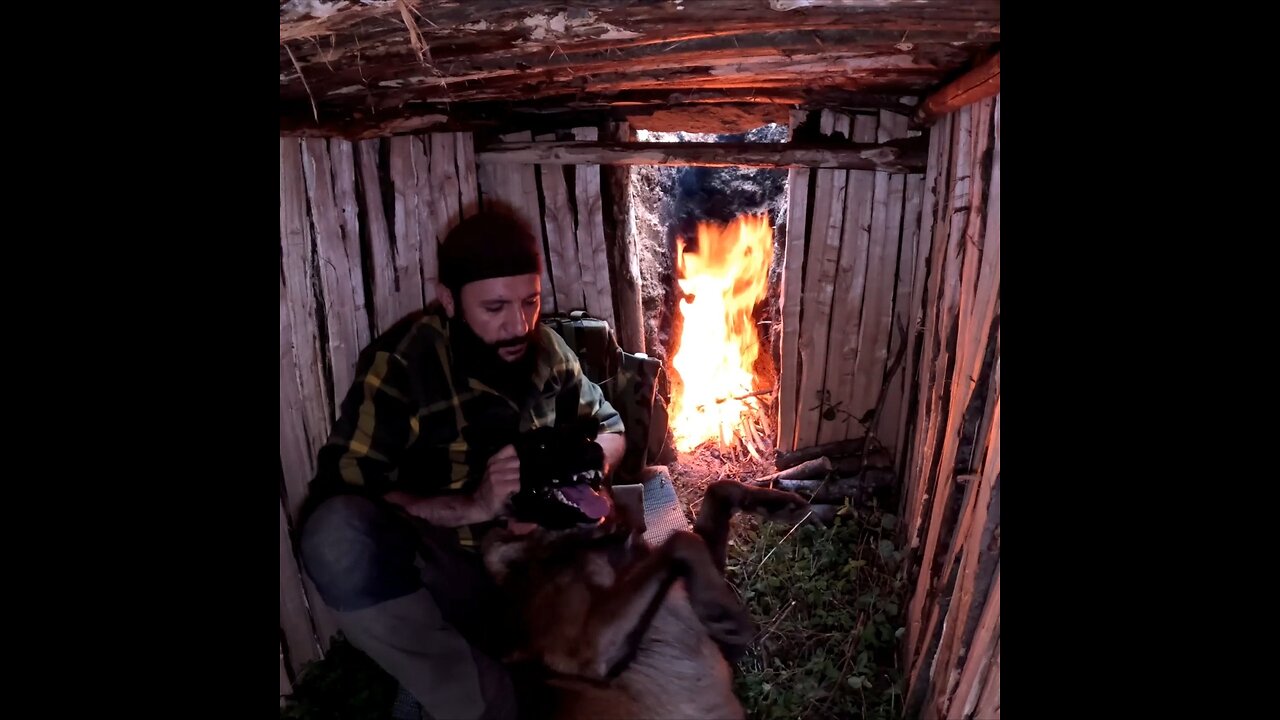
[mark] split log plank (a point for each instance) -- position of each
(893, 427)
(406, 243)
(468, 188)
(819, 287)
(298, 437)
(931, 374)
(909, 457)
(983, 232)
(929, 386)
(342, 160)
(974, 305)
(983, 658)
(906, 155)
(298, 306)
(789, 295)
(295, 620)
(445, 198)
(622, 247)
(385, 295)
(851, 279)
(876, 327)
(955, 323)
(420, 151)
(590, 276)
(989, 704)
(341, 290)
(591, 234)
(305, 413)
(562, 245)
(974, 554)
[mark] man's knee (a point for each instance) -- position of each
(358, 554)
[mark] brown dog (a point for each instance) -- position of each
(628, 631)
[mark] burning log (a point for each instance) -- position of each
(813, 469)
(750, 438)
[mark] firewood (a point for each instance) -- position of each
(836, 449)
(813, 469)
(852, 464)
(836, 490)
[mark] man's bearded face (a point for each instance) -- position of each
(501, 312)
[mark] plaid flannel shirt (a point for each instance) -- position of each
(414, 420)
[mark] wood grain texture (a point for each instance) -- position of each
(798, 181)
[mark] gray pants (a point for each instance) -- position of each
(408, 595)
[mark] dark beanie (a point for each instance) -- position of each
(487, 245)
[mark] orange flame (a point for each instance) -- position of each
(726, 277)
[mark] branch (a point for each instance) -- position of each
(906, 155)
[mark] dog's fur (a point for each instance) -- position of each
(629, 631)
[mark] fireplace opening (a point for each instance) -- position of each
(710, 243)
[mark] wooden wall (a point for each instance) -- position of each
(889, 300)
(565, 201)
(951, 467)
(355, 221)
(851, 266)
(359, 223)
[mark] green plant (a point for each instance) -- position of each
(829, 606)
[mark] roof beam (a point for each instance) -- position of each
(896, 156)
(980, 82)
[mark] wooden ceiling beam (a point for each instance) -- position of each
(896, 156)
(982, 81)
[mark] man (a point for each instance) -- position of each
(409, 480)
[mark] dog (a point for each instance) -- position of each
(619, 629)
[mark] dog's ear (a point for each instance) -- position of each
(501, 550)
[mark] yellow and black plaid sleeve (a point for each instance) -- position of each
(376, 423)
(590, 399)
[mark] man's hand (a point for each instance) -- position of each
(614, 446)
(501, 480)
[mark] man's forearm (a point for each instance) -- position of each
(444, 511)
(614, 446)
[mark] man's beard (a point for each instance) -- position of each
(481, 360)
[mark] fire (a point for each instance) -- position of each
(723, 280)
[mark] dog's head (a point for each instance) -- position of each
(561, 476)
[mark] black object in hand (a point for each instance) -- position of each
(561, 474)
